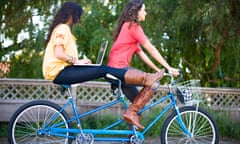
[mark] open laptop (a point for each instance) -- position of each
(101, 54)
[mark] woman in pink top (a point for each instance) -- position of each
(128, 36)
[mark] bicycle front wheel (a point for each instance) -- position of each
(198, 122)
(26, 122)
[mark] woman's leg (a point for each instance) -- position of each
(78, 74)
(130, 91)
(135, 76)
(130, 115)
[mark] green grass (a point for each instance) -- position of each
(227, 128)
(3, 129)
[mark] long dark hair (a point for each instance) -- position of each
(129, 13)
(64, 13)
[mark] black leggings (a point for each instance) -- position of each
(78, 74)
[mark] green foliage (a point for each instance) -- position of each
(98, 122)
(3, 129)
(200, 37)
(226, 126)
(28, 65)
(148, 116)
(200, 33)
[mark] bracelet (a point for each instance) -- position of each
(71, 60)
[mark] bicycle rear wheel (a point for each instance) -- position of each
(198, 121)
(29, 118)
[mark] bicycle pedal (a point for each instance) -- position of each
(135, 127)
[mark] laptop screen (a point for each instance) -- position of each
(101, 52)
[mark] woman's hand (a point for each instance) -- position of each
(83, 61)
(173, 71)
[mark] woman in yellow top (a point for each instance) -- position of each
(61, 55)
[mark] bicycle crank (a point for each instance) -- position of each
(135, 140)
(84, 139)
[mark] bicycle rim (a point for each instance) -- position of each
(25, 127)
(198, 122)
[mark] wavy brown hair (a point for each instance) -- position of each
(69, 9)
(129, 13)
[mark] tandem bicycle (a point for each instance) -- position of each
(44, 122)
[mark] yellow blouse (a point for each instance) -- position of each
(52, 65)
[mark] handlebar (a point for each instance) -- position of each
(173, 81)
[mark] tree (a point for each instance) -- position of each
(204, 35)
(19, 27)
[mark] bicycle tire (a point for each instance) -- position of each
(30, 117)
(198, 121)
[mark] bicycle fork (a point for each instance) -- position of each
(179, 119)
(181, 123)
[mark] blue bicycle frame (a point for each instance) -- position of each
(56, 131)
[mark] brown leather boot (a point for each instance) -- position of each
(130, 115)
(137, 77)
